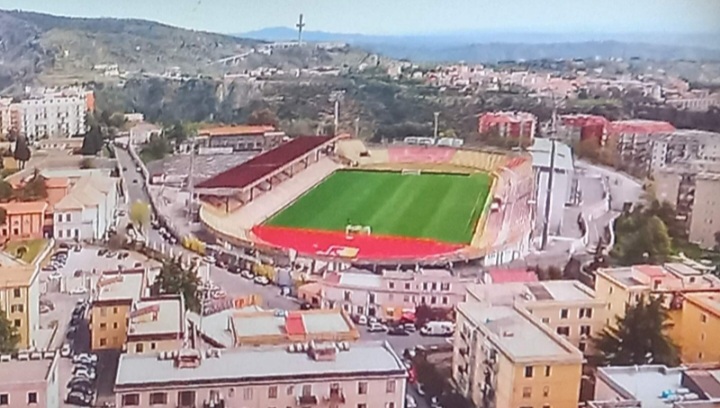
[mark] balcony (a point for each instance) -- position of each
(214, 404)
(335, 397)
(306, 400)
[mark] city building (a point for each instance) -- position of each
(156, 324)
(30, 380)
(20, 301)
(88, 210)
(577, 128)
(363, 375)
(632, 139)
(112, 304)
(240, 137)
(564, 187)
(567, 307)
(49, 113)
(693, 191)
(389, 294)
(656, 386)
(286, 327)
(508, 124)
(70, 145)
(23, 220)
(684, 146)
(699, 100)
(141, 132)
(503, 356)
(685, 289)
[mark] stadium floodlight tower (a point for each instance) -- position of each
(300, 25)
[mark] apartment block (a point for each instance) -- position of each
(23, 220)
(632, 140)
(508, 124)
(157, 324)
(363, 375)
(503, 356)
(657, 386)
(684, 146)
(30, 380)
(44, 113)
(388, 294)
(568, 308)
(113, 299)
(581, 128)
(20, 300)
(696, 317)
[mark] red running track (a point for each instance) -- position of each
(333, 243)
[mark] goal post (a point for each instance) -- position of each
(410, 172)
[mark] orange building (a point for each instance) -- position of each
(23, 220)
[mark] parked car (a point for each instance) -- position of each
(234, 269)
(78, 290)
(65, 351)
(247, 274)
(262, 280)
(79, 382)
(80, 366)
(49, 268)
(409, 327)
(102, 251)
(85, 372)
(85, 357)
(438, 329)
(209, 259)
(375, 327)
(78, 398)
(360, 319)
(410, 401)
(63, 246)
(77, 248)
(110, 254)
(397, 331)
(306, 306)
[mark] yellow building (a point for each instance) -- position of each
(567, 307)
(504, 357)
(697, 328)
(112, 304)
(20, 300)
(156, 324)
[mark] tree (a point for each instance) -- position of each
(140, 214)
(433, 382)
(639, 337)
(3, 215)
(116, 241)
(22, 151)
(641, 238)
(156, 148)
(175, 279)
(92, 141)
(9, 336)
(6, 191)
(264, 117)
(176, 133)
(35, 189)
(87, 163)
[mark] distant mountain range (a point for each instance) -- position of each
(495, 46)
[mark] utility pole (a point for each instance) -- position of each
(435, 133)
(300, 25)
(191, 181)
(548, 194)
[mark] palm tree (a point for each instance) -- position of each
(639, 337)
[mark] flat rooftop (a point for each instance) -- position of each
(262, 165)
(157, 316)
(24, 372)
(708, 301)
(643, 383)
(624, 276)
(508, 293)
(120, 286)
(306, 322)
(14, 274)
(214, 327)
(258, 363)
(516, 334)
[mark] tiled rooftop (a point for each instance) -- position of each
(23, 372)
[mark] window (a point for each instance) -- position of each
(158, 398)
(407, 286)
(390, 386)
(563, 313)
(67, 217)
(546, 320)
(247, 393)
(152, 346)
(115, 310)
(585, 330)
(60, 233)
(528, 372)
(16, 293)
(546, 391)
(527, 392)
(445, 286)
(103, 342)
(433, 300)
(444, 300)
(563, 330)
(17, 308)
(703, 318)
(186, 398)
(139, 348)
(103, 312)
(547, 371)
(115, 325)
(391, 285)
(371, 298)
(307, 390)
(610, 290)
(272, 392)
(346, 295)
(59, 217)
(362, 406)
(585, 312)
(582, 346)
(4, 399)
(32, 397)
(362, 388)
(290, 390)
(18, 323)
(103, 326)
(130, 400)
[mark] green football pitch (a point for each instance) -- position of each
(442, 207)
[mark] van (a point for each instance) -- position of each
(438, 329)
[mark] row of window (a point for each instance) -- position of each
(187, 398)
(426, 286)
(68, 233)
(68, 217)
(583, 312)
(32, 398)
(372, 298)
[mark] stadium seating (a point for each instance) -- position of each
(417, 154)
(478, 160)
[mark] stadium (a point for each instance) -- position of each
(334, 198)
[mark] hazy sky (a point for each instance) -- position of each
(403, 16)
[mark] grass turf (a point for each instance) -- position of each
(442, 207)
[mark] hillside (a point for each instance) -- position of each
(48, 48)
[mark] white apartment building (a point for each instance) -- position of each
(88, 210)
(47, 113)
(684, 146)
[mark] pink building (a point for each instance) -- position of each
(23, 220)
(508, 124)
(579, 128)
(389, 294)
(357, 375)
(29, 380)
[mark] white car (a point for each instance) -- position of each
(209, 259)
(262, 280)
(410, 401)
(85, 358)
(247, 274)
(80, 290)
(85, 373)
(65, 351)
(375, 327)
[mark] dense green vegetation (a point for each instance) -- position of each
(393, 204)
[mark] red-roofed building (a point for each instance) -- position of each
(498, 275)
(245, 182)
(633, 139)
(508, 124)
(294, 325)
(579, 128)
(240, 137)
